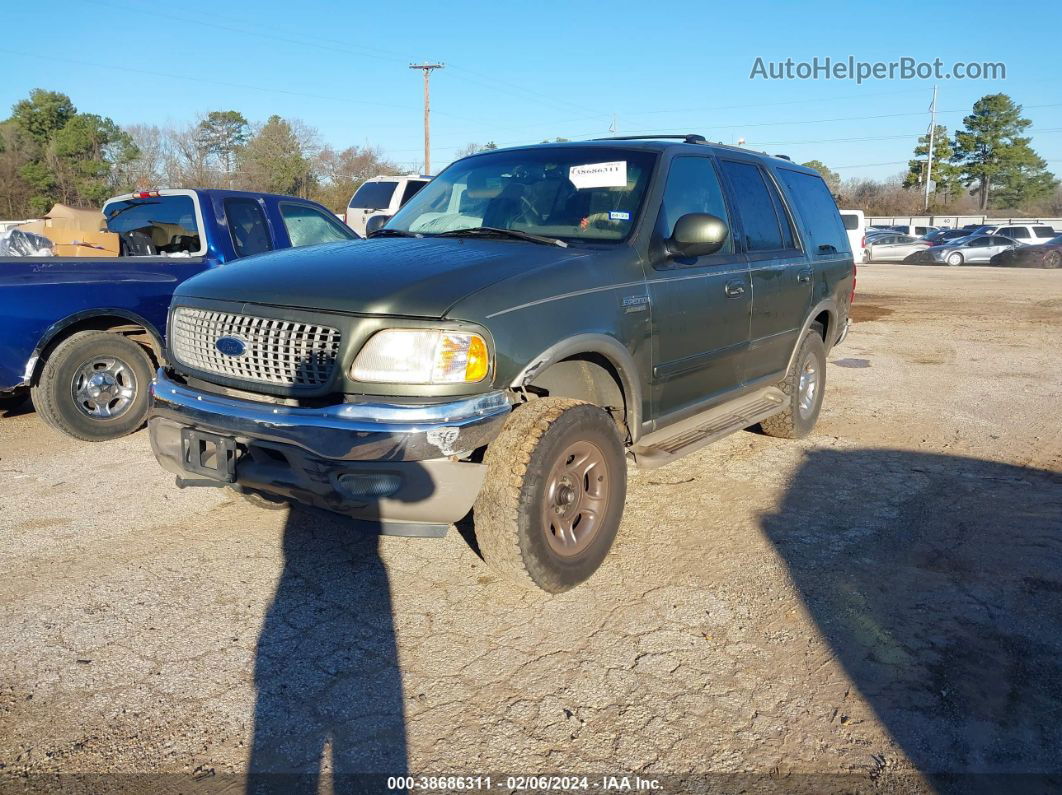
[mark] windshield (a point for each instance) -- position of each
(571, 193)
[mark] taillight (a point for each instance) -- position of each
(863, 242)
(147, 194)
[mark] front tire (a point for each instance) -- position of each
(1053, 259)
(955, 259)
(553, 497)
(94, 386)
(804, 386)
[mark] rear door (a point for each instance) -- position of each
(780, 273)
(700, 306)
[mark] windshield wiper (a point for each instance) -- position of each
(394, 232)
(495, 231)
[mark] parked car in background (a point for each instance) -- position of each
(944, 235)
(973, 250)
(855, 225)
(530, 321)
(381, 196)
(83, 334)
(1042, 255)
(1027, 234)
(891, 247)
(915, 230)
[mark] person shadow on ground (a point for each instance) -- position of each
(329, 703)
(937, 580)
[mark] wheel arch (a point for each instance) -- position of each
(825, 314)
(593, 367)
(122, 321)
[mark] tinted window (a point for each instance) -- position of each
(978, 242)
(814, 203)
(692, 187)
(411, 189)
(155, 226)
(759, 218)
(1001, 241)
(247, 227)
(1010, 230)
(308, 226)
(851, 222)
(374, 196)
(881, 240)
(1043, 231)
(905, 239)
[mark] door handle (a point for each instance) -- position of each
(734, 289)
(804, 276)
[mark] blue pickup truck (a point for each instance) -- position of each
(82, 336)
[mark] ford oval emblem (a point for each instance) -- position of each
(231, 346)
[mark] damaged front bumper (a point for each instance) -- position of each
(395, 464)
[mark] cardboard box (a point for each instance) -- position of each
(75, 233)
(75, 243)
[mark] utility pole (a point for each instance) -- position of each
(932, 133)
(427, 69)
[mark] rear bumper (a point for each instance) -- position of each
(396, 465)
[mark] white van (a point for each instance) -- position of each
(855, 224)
(381, 196)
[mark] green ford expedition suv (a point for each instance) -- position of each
(529, 321)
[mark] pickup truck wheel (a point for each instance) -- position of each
(553, 497)
(94, 386)
(804, 386)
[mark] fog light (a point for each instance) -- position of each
(368, 486)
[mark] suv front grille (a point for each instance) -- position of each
(273, 351)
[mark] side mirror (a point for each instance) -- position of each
(375, 224)
(697, 235)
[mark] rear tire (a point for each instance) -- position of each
(1053, 259)
(553, 497)
(804, 386)
(94, 386)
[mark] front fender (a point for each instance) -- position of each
(602, 344)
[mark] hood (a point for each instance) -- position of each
(387, 276)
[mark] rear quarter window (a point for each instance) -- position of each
(814, 204)
(1044, 231)
(373, 196)
(851, 222)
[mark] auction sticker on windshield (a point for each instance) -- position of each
(599, 175)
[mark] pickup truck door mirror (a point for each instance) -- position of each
(375, 223)
(697, 235)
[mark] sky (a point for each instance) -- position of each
(519, 73)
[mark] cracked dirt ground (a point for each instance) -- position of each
(882, 599)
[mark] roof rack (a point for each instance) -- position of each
(690, 138)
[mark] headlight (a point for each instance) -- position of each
(422, 356)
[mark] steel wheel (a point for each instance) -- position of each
(104, 388)
(575, 498)
(808, 386)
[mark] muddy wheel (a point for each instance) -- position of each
(1053, 259)
(804, 386)
(553, 496)
(94, 386)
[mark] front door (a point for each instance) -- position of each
(700, 306)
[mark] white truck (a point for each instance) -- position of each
(381, 196)
(855, 224)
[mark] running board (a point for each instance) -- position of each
(671, 443)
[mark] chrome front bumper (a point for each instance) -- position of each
(406, 457)
(344, 431)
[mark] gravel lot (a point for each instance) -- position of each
(880, 603)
